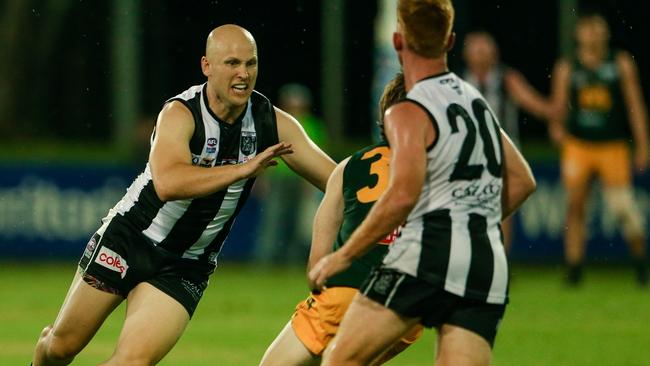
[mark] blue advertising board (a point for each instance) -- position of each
(51, 211)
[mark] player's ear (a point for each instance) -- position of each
(398, 41)
(450, 41)
(205, 66)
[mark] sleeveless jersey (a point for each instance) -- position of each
(598, 112)
(365, 178)
(196, 228)
(452, 237)
(495, 93)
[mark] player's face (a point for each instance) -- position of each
(592, 31)
(480, 53)
(233, 72)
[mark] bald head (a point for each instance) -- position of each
(227, 36)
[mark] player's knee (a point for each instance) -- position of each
(57, 347)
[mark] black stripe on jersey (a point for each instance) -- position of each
(436, 244)
(198, 137)
(146, 207)
(217, 242)
(433, 122)
(479, 278)
(265, 120)
(189, 227)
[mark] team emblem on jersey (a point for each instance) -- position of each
(248, 142)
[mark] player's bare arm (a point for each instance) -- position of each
(526, 96)
(328, 218)
(409, 132)
(636, 108)
(175, 177)
(560, 99)
(309, 161)
(518, 179)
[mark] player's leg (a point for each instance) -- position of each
(288, 350)
(83, 311)
(367, 330)
(619, 198)
(461, 347)
(406, 341)
(154, 323)
(576, 172)
(467, 335)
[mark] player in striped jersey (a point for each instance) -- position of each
(352, 189)
(454, 176)
(159, 244)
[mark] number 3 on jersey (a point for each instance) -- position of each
(379, 168)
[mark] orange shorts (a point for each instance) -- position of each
(582, 160)
(317, 318)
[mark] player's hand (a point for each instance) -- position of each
(641, 161)
(266, 159)
(327, 267)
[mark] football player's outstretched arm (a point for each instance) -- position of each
(309, 161)
(328, 218)
(174, 176)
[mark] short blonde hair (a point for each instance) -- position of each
(426, 25)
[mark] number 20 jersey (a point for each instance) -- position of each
(452, 237)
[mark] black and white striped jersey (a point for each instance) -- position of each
(196, 228)
(452, 236)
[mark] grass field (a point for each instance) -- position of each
(604, 322)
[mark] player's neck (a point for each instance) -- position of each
(592, 55)
(417, 68)
(226, 112)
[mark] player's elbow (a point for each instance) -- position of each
(164, 188)
(527, 185)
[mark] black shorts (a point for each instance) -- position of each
(414, 298)
(121, 258)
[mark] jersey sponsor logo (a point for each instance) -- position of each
(192, 288)
(228, 161)
(211, 142)
(206, 162)
(210, 150)
(390, 238)
(247, 142)
(111, 260)
(90, 247)
(486, 196)
(195, 160)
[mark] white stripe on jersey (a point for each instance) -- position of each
(459, 260)
(131, 196)
(214, 227)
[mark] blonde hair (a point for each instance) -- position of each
(426, 25)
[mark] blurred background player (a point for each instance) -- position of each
(289, 203)
(597, 92)
(351, 191)
(505, 89)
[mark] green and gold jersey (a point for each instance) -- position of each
(365, 177)
(597, 110)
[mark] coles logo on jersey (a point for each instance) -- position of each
(111, 260)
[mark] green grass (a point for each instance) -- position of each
(605, 322)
